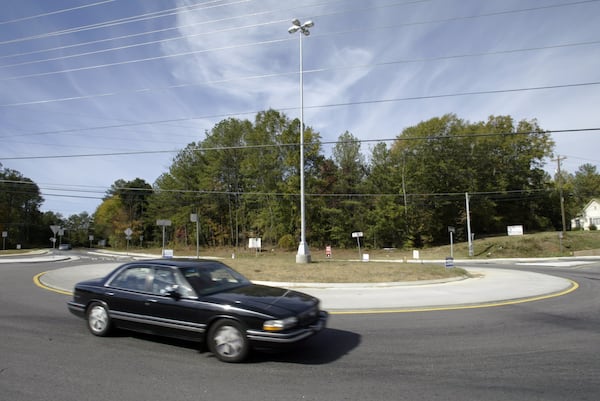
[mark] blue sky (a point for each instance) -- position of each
(133, 82)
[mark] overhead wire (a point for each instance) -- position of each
(295, 144)
(331, 105)
(366, 102)
(146, 59)
(460, 195)
(113, 23)
(308, 71)
(46, 14)
(217, 20)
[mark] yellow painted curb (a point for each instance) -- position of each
(38, 282)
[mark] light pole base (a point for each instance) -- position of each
(303, 255)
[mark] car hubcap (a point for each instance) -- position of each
(98, 318)
(229, 341)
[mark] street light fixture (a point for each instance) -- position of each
(303, 255)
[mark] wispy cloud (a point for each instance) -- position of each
(386, 65)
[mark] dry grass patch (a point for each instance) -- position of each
(338, 271)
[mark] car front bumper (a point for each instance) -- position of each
(291, 336)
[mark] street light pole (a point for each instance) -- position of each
(303, 255)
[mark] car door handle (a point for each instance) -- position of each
(151, 301)
(109, 293)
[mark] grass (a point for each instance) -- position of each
(283, 267)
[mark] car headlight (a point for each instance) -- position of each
(280, 324)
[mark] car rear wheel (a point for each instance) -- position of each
(227, 341)
(98, 320)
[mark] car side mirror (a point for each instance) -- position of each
(174, 293)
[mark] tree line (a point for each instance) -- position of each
(242, 181)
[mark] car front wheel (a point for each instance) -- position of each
(227, 341)
(98, 320)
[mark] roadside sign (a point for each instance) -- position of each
(163, 224)
(128, 232)
(449, 263)
(357, 235)
(254, 243)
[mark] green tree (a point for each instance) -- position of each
(346, 211)
(499, 162)
(585, 185)
(79, 227)
(20, 200)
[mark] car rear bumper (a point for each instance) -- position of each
(292, 336)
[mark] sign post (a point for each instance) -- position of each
(163, 224)
(451, 230)
(4, 235)
(54, 230)
(128, 233)
(194, 219)
(358, 235)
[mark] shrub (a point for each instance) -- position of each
(287, 242)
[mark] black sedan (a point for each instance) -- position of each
(198, 300)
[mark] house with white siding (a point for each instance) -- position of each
(589, 216)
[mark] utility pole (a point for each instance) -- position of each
(560, 189)
(470, 237)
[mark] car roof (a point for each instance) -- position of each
(179, 262)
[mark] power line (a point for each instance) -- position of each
(187, 9)
(42, 74)
(64, 10)
(134, 35)
(264, 76)
(458, 195)
(142, 60)
(126, 20)
(247, 147)
(376, 101)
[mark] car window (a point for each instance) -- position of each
(164, 281)
(133, 278)
(207, 279)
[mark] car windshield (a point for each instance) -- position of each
(211, 278)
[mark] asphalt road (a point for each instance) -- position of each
(543, 350)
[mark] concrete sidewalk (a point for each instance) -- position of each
(488, 286)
